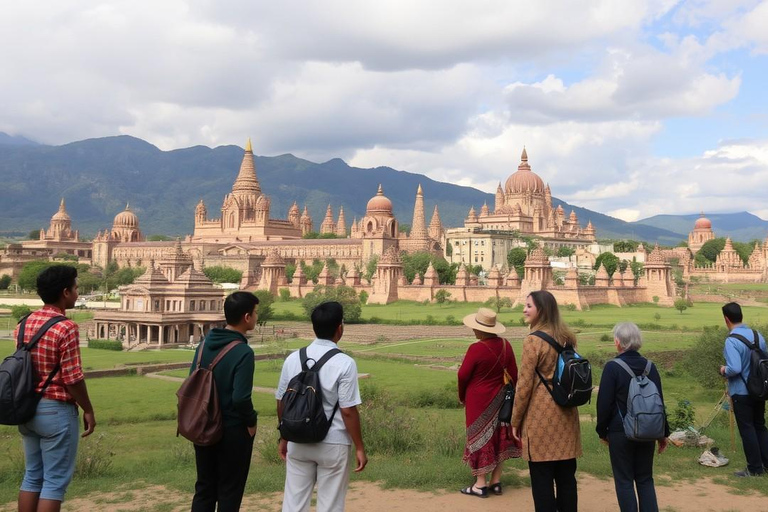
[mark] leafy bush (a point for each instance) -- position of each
(442, 296)
(345, 295)
(19, 311)
(386, 429)
(682, 417)
(105, 344)
(706, 356)
(606, 337)
(285, 294)
(219, 274)
(5, 282)
(264, 309)
(94, 457)
(681, 305)
(442, 398)
(363, 297)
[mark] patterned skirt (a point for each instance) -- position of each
(488, 442)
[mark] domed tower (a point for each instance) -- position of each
(702, 233)
(525, 188)
(328, 226)
(245, 204)
(61, 226)
(125, 227)
(379, 225)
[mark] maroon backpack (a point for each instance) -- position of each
(199, 418)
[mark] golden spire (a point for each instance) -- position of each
(248, 146)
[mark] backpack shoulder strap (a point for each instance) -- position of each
(626, 366)
(549, 339)
(303, 358)
(199, 358)
(223, 352)
(752, 346)
(648, 366)
(320, 362)
(39, 334)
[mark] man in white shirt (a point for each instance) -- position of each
(327, 462)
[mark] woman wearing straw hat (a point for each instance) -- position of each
(481, 382)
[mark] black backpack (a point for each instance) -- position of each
(18, 378)
(757, 383)
(572, 381)
(303, 419)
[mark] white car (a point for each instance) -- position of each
(80, 303)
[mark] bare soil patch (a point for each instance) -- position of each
(594, 496)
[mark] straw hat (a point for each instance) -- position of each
(484, 320)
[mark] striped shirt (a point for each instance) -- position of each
(61, 344)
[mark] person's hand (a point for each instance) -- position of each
(663, 443)
(89, 423)
(362, 460)
(282, 449)
(722, 371)
(604, 440)
(252, 431)
(516, 435)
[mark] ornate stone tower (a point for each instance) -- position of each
(538, 273)
(294, 216)
(306, 222)
(388, 272)
(701, 234)
(125, 227)
(328, 226)
(658, 278)
(341, 224)
(435, 226)
(273, 273)
(418, 225)
(60, 229)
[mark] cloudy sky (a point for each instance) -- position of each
(629, 107)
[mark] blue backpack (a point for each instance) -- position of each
(646, 418)
(571, 385)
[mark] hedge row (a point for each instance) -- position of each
(106, 344)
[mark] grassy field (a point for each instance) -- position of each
(411, 419)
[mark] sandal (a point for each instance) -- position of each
(496, 488)
(482, 492)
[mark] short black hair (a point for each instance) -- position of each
(237, 305)
(732, 312)
(52, 282)
(326, 318)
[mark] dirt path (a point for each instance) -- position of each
(594, 496)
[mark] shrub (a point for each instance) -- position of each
(116, 345)
(706, 356)
(345, 295)
(5, 282)
(363, 297)
(682, 417)
(94, 457)
(219, 274)
(657, 316)
(386, 429)
(606, 337)
(285, 294)
(19, 311)
(442, 296)
(442, 398)
(267, 449)
(264, 309)
(681, 305)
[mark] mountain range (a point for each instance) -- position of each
(98, 177)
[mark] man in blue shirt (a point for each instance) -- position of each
(749, 412)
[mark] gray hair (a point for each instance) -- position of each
(628, 335)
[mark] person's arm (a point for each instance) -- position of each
(351, 418)
(242, 387)
(526, 380)
(79, 392)
(465, 373)
(282, 385)
(655, 377)
(511, 363)
(606, 401)
(732, 366)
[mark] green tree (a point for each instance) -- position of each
(710, 250)
(516, 259)
(264, 309)
(609, 260)
(345, 295)
(625, 246)
(565, 252)
(290, 269)
(681, 305)
(328, 235)
(19, 311)
(159, 238)
(414, 263)
(5, 282)
(64, 256)
(370, 267)
(311, 235)
(442, 296)
(498, 303)
(637, 268)
(34, 234)
(28, 275)
(285, 294)
(220, 274)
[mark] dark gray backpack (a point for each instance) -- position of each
(303, 419)
(645, 419)
(18, 378)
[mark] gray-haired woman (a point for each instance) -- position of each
(631, 461)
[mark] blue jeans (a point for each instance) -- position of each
(50, 448)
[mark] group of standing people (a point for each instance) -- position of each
(544, 433)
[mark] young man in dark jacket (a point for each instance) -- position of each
(222, 468)
(631, 461)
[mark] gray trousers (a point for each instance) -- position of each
(321, 463)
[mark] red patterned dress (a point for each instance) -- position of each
(481, 378)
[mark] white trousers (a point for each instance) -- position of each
(321, 463)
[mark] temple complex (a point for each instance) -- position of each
(522, 207)
(170, 303)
